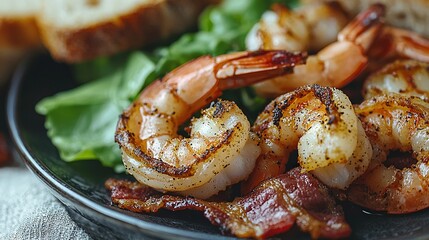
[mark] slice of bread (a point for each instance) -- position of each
(18, 33)
(78, 30)
(18, 28)
(408, 14)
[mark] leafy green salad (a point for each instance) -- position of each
(81, 122)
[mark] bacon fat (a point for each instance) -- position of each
(272, 208)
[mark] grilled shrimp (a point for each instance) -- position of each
(405, 77)
(338, 63)
(395, 123)
(318, 121)
(309, 28)
(220, 150)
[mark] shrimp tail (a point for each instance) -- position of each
(409, 44)
(410, 48)
(395, 42)
(253, 67)
(364, 27)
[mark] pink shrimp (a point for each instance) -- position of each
(338, 63)
(321, 124)
(221, 150)
(394, 123)
(405, 77)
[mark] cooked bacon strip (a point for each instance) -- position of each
(272, 208)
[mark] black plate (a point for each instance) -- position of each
(79, 185)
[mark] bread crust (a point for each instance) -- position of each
(19, 33)
(144, 25)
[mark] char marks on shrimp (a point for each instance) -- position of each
(321, 124)
(220, 149)
(394, 123)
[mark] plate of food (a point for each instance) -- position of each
(238, 180)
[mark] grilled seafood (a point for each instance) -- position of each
(405, 77)
(220, 150)
(318, 121)
(395, 122)
(338, 63)
(309, 28)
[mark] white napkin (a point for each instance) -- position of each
(29, 211)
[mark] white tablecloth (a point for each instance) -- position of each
(29, 211)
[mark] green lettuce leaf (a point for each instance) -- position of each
(81, 122)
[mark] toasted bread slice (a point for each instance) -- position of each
(18, 28)
(408, 14)
(18, 33)
(77, 30)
